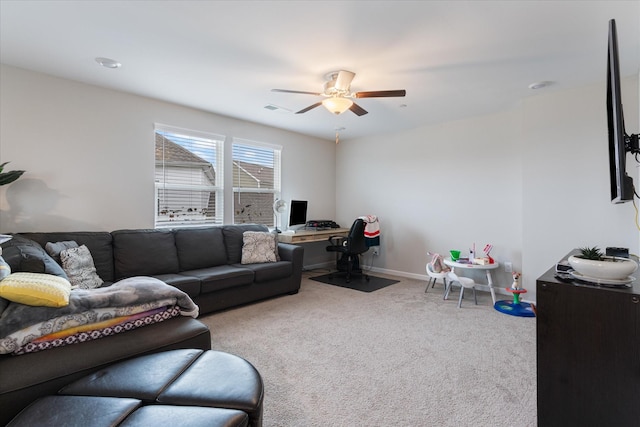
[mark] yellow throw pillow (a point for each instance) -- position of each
(36, 289)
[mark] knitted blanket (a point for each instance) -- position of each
(21, 324)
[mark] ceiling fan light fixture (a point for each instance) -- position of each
(337, 105)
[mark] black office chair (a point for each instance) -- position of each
(350, 247)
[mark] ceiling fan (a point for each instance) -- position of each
(337, 91)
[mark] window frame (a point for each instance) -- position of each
(217, 188)
(276, 151)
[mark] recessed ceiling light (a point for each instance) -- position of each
(539, 85)
(108, 63)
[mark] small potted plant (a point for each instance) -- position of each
(593, 264)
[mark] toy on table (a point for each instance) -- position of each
(515, 307)
(487, 251)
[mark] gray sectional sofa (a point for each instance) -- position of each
(203, 262)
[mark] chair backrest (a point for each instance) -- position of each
(432, 273)
(356, 243)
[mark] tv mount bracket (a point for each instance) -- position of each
(631, 144)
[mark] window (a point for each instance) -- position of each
(256, 181)
(188, 178)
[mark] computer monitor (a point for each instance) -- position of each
(298, 214)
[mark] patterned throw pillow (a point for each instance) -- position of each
(36, 289)
(78, 264)
(259, 247)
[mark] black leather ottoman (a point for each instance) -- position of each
(190, 377)
(83, 411)
(204, 387)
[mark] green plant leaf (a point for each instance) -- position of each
(593, 253)
(9, 177)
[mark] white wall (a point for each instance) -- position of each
(566, 176)
(447, 186)
(89, 155)
(532, 181)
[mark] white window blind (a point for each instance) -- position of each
(256, 181)
(188, 177)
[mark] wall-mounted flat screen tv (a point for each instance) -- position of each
(622, 189)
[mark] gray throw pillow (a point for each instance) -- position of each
(78, 264)
(259, 247)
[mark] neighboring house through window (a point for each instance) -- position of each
(256, 181)
(188, 177)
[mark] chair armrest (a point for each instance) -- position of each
(337, 240)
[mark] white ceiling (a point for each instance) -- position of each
(454, 58)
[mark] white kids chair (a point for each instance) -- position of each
(433, 277)
(464, 282)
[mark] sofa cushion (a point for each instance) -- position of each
(200, 247)
(222, 277)
(144, 253)
(187, 284)
(233, 239)
(270, 271)
(25, 255)
(98, 242)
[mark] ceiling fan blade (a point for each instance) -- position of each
(310, 107)
(296, 91)
(381, 94)
(358, 110)
(343, 81)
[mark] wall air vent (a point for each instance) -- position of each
(276, 108)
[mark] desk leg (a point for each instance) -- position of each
(490, 283)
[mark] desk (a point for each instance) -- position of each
(487, 268)
(308, 236)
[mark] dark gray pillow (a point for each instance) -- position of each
(24, 255)
(54, 249)
(98, 242)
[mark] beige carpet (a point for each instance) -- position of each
(331, 356)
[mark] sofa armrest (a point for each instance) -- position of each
(289, 252)
(295, 254)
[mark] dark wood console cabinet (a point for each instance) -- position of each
(588, 354)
